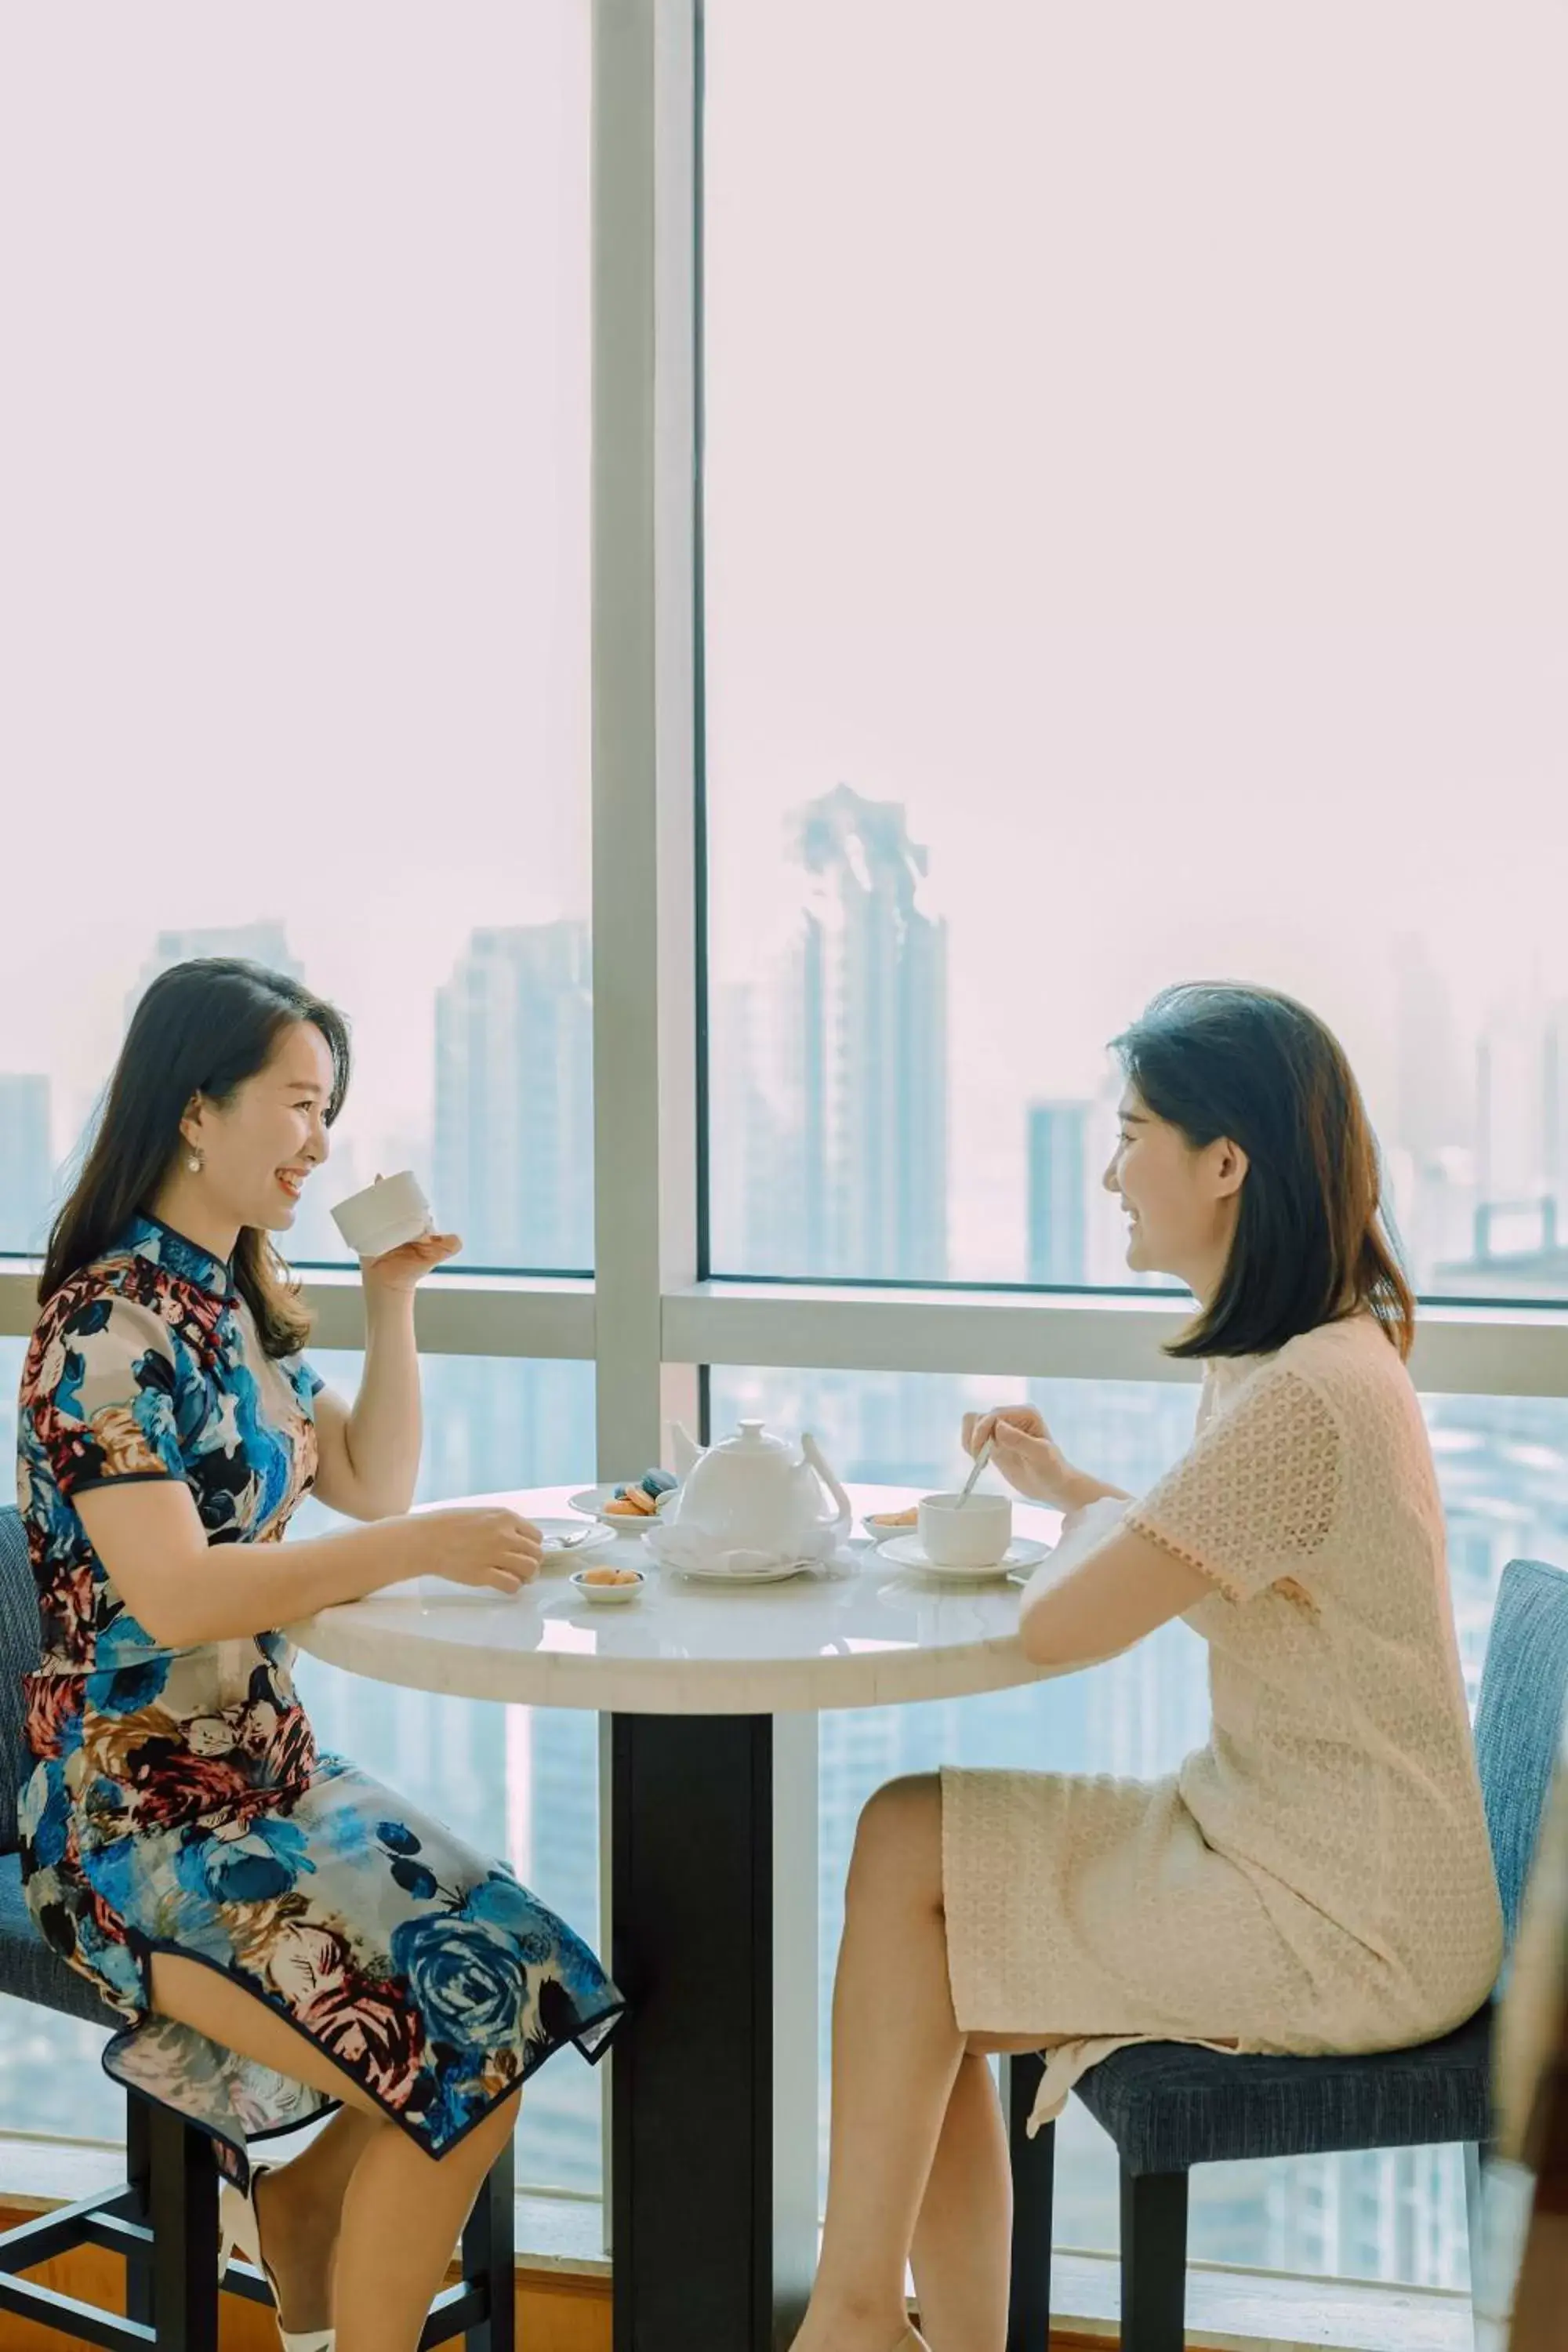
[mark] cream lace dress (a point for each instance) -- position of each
(1317, 1878)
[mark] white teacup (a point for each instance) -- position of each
(973, 1534)
(384, 1215)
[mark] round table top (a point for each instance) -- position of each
(867, 1635)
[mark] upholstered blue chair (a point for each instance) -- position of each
(1169, 2105)
(164, 2216)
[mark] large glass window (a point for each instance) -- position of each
(1503, 1466)
(293, 578)
(1134, 496)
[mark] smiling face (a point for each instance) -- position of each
(1182, 1199)
(259, 1149)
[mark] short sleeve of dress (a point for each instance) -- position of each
(1257, 1494)
(105, 1414)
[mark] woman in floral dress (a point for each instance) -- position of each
(280, 1934)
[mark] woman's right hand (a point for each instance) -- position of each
(475, 1544)
(1023, 1449)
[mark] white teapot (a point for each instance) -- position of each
(754, 1492)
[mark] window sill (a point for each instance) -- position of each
(1227, 2310)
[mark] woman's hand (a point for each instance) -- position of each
(1023, 1451)
(400, 1269)
(484, 1544)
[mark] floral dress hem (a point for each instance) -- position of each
(590, 2037)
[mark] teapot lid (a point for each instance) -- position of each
(753, 1438)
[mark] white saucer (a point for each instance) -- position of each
(568, 1535)
(908, 1551)
(881, 1528)
(591, 1502)
(750, 1576)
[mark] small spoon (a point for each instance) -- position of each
(981, 1459)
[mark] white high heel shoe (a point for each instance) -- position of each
(239, 2232)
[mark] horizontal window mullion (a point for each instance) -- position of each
(458, 1315)
(1458, 1352)
(469, 1320)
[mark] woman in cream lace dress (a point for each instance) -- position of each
(1318, 1876)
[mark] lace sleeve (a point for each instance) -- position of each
(1255, 1497)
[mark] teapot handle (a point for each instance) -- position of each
(811, 1451)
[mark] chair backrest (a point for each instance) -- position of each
(1519, 1723)
(20, 1643)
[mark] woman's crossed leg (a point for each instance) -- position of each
(363, 2218)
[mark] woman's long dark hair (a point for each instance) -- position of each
(203, 1027)
(1311, 1242)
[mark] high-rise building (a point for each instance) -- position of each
(554, 1785)
(1518, 1223)
(265, 943)
(1058, 1191)
(870, 1002)
(514, 1108)
(27, 1161)
(754, 1203)
(1431, 1115)
(513, 1173)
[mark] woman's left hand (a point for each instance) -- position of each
(401, 1269)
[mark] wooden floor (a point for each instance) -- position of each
(554, 2314)
(561, 2310)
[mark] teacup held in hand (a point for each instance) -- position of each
(384, 1216)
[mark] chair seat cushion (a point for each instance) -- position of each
(1169, 2105)
(28, 1967)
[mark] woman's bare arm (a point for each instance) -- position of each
(1102, 1591)
(186, 1592)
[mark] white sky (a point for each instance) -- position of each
(1135, 442)
(293, 463)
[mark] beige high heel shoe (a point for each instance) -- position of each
(239, 2232)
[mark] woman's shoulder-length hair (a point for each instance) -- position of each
(1311, 1243)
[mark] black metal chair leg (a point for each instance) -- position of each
(1033, 2163)
(1154, 2260)
(489, 2258)
(185, 2223)
(138, 2172)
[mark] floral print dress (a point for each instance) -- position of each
(179, 1803)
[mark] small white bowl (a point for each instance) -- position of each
(609, 1596)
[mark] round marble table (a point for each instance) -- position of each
(864, 1634)
(710, 1792)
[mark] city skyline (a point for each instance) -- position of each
(833, 1102)
(845, 1065)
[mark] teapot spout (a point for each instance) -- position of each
(685, 1452)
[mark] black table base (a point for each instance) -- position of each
(713, 2161)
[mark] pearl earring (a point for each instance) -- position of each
(194, 1161)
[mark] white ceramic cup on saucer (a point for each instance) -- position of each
(384, 1215)
(958, 1534)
